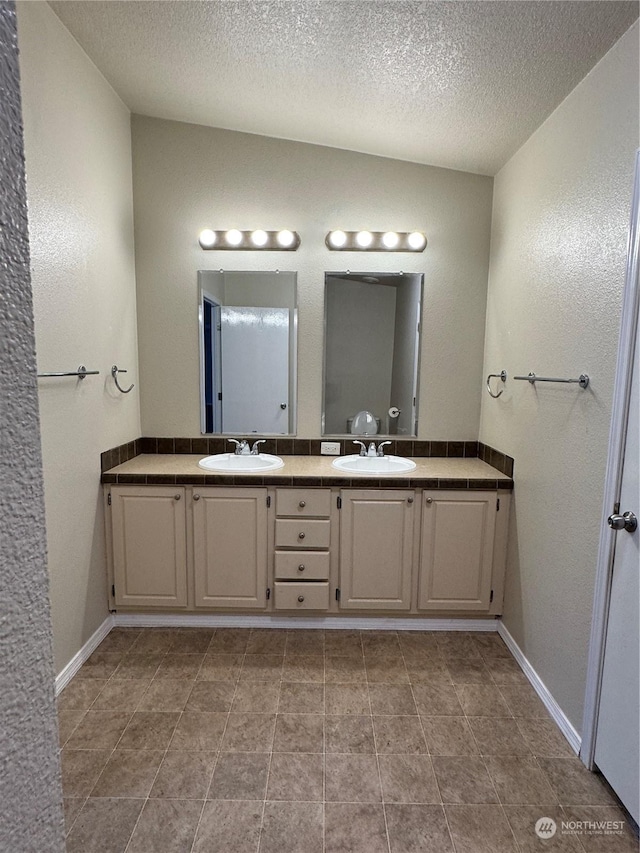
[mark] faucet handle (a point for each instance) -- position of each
(239, 445)
(363, 447)
(380, 446)
(254, 449)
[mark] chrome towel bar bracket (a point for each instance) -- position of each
(81, 372)
(582, 380)
(115, 370)
(503, 376)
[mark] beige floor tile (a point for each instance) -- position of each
(306, 668)
(349, 734)
(166, 826)
(417, 641)
(449, 736)
(544, 738)
(165, 695)
(229, 641)
(457, 644)
(104, 826)
(191, 640)
(240, 776)
(399, 735)
(343, 643)
(523, 819)
(175, 665)
(211, 697)
(295, 777)
(266, 641)
(72, 808)
(256, 697)
(573, 784)
(121, 694)
(343, 669)
(480, 829)
(301, 698)
(408, 779)
(436, 700)
(523, 701)
(229, 826)
(184, 775)
(491, 645)
(128, 773)
(119, 640)
(380, 642)
(347, 699)
(395, 699)
(386, 670)
(80, 694)
(519, 780)
(482, 700)
(249, 733)
(220, 667)
(292, 827)
(305, 642)
(498, 736)
(80, 770)
(100, 665)
(67, 723)
(99, 730)
(259, 667)
(463, 779)
(418, 829)
(429, 670)
(198, 731)
(151, 640)
(149, 730)
(352, 779)
(299, 733)
(506, 671)
(465, 671)
(355, 828)
(139, 666)
(621, 839)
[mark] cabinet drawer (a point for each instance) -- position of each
(302, 533)
(302, 565)
(303, 502)
(302, 596)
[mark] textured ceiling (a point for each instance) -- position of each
(457, 84)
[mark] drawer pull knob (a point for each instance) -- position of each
(301, 598)
(429, 500)
(301, 567)
(300, 535)
(196, 497)
(302, 504)
(409, 500)
(177, 497)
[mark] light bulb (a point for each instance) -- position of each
(259, 238)
(364, 239)
(337, 239)
(416, 240)
(285, 238)
(390, 240)
(207, 238)
(233, 237)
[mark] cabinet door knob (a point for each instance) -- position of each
(300, 535)
(429, 500)
(302, 504)
(301, 567)
(177, 497)
(409, 500)
(196, 497)
(301, 598)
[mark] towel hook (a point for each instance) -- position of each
(115, 370)
(503, 376)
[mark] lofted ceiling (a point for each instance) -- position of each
(460, 84)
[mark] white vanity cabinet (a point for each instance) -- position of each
(456, 567)
(376, 549)
(149, 546)
(230, 547)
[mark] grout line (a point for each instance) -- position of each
(375, 742)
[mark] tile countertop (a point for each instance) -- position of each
(433, 472)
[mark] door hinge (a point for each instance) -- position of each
(268, 501)
(219, 395)
(498, 505)
(337, 594)
(113, 590)
(616, 509)
(491, 597)
(109, 499)
(268, 593)
(339, 502)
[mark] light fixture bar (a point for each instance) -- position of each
(376, 241)
(253, 241)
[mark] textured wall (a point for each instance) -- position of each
(78, 164)
(30, 793)
(188, 177)
(560, 219)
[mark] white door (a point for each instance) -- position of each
(617, 752)
(255, 370)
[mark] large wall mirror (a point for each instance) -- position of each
(371, 353)
(248, 348)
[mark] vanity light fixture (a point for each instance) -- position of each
(376, 241)
(258, 240)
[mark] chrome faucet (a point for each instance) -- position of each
(363, 447)
(372, 449)
(254, 449)
(242, 447)
(380, 451)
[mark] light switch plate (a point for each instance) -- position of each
(330, 448)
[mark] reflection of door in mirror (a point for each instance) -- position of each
(371, 351)
(247, 352)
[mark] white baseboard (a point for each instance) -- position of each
(558, 715)
(230, 620)
(64, 677)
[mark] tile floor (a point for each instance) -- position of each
(270, 741)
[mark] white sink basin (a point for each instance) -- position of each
(229, 463)
(377, 465)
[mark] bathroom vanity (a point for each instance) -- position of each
(305, 539)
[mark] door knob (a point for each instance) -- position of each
(627, 521)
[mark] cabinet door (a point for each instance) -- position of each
(230, 547)
(456, 555)
(376, 549)
(149, 546)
